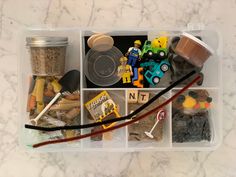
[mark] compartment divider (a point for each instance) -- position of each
(125, 89)
(82, 113)
(170, 122)
(81, 87)
(198, 88)
(126, 127)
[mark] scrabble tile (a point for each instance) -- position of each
(132, 96)
(143, 97)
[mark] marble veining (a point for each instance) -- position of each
(17, 14)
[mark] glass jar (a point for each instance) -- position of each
(47, 55)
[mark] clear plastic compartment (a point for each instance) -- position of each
(162, 133)
(75, 55)
(118, 136)
(27, 136)
(214, 121)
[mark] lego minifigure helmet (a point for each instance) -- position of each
(137, 42)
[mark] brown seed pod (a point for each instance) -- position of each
(73, 113)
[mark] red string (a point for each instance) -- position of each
(120, 125)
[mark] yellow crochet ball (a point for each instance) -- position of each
(189, 102)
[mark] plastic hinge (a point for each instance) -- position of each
(195, 26)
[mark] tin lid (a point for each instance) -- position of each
(198, 41)
(46, 41)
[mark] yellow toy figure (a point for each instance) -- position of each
(160, 42)
(125, 70)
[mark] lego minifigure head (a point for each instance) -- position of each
(137, 43)
(123, 60)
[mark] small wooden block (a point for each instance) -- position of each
(143, 97)
(132, 96)
(107, 136)
(70, 133)
(96, 137)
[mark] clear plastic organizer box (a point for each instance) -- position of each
(132, 137)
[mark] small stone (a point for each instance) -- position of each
(96, 137)
(190, 128)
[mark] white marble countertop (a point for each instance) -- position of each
(16, 14)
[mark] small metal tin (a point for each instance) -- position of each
(46, 41)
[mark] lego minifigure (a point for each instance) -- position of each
(134, 53)
(125, 70)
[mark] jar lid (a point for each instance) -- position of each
(46, 41)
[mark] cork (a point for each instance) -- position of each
(103, 43)
(91, 39)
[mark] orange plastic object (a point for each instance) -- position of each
(139, 82)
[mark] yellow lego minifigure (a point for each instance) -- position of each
(160, 42)
(125, 70)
